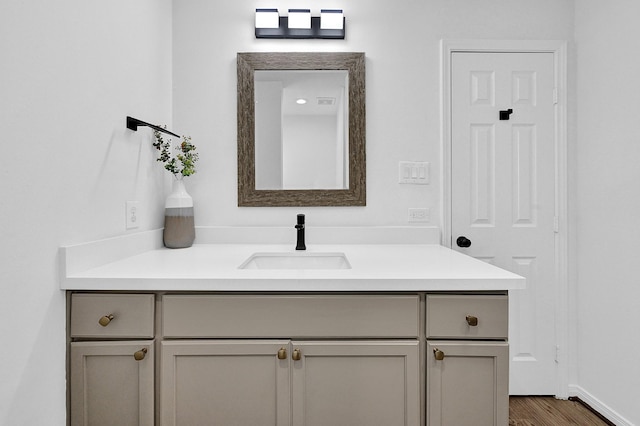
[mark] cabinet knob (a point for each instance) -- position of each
(105, 320)
(282, 353)
(139, 355)
(438, 354)
(297, 355)
(472, 321)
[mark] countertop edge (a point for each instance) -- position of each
(292, 285)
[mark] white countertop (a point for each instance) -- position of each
(214, 267)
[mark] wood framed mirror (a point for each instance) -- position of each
(260, 81)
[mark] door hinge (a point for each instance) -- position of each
(555, 96)
(556, 224)
(557, 353)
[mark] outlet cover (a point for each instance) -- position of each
(132, 214)
(419, 215)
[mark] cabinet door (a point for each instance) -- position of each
(109, 386)
(470, 385)
(361, 383)
(225, 382)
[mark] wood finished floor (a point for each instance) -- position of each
(548, 411)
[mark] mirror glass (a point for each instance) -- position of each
(301, 154)
(301, 129)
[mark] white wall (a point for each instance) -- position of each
(403, 92)
(71, 72)
(607, 230)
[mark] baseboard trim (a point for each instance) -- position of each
(602, 410)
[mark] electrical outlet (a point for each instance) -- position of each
(419, 215)
(132, 214)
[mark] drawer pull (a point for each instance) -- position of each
(297, 355)
(282, 353)
(438, 354)
(139, 355)
(472, 321)
(105, 320)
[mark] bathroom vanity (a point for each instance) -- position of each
(405, 334)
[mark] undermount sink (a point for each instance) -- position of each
(297, 260)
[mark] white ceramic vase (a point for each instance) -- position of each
(179, 229)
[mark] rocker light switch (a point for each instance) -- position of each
(414, 172)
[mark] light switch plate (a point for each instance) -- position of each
(415, 172)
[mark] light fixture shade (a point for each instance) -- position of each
(331, 19)
(300, 18)
(267, 18)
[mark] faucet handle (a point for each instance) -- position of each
(300, 219)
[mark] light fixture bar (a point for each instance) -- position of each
(329, 25)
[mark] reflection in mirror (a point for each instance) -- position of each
(302, 136)
(280, 147)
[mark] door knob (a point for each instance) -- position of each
(297, 355)
(463, 241)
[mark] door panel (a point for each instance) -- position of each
(468, 386)
(503, 193)
(356, 384)
(109, 386)
(231, 383)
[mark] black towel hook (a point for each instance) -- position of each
(133, 123)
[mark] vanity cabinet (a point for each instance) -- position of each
(111, 359)
(288, 359)
(282, 382)
(317, 360)
(467, 359)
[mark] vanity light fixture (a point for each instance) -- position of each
(300, 24)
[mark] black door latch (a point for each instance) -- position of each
(504, 115)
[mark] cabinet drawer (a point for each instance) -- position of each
(447, 316)
(132, 315)
(316, 316)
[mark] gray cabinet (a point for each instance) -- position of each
(231, 383)
(283, 382)
(356, 383)
(111, 369)
(469, 385)
(288, 359)
(110, 384)
(297, 372)
(467, 378)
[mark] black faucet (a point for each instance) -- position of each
(300, 227)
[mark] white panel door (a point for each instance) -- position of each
(503, 193)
